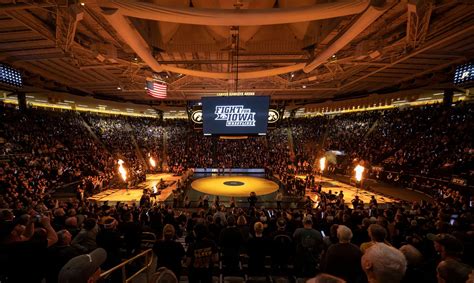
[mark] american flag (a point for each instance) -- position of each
(156, 89)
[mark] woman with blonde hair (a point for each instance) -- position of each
(258, 247)
(169, 252)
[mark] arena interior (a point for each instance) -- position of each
(221, 141)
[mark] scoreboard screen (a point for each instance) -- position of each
(235, 115)
(464, 74)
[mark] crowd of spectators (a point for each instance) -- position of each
(422, 241)
(401, 243)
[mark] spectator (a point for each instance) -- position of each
(59, 254)
(21, 245)
(383, 264)
(343, 259)
(86, 238)
(201, 256)
(377, 234)
(309, 243)
(447, 246)
(282, 248)
(111, 241)
(230, 241)
(131, 232)
(453, 271)
(257, 249)
(83, 268)
(164, 275)
(169, 252)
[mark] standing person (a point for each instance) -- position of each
(230, 240)
(86, 238)
(309, 243)
(168, 251)
(282, 248)
(205, 201)
(132, 232)
(279, 198)
(252, 199)
(343, 259)
(59, 254)
(111, 241)
(258, 247)
(201, 256)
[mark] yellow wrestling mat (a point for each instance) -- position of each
(234, 186)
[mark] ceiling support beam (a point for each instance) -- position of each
(432, 44)
(32, 22)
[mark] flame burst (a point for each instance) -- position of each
(152, 162)
(359, 170)
(322, 163)
(122, 170)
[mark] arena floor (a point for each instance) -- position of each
(349, 192)
(133, 195)
(238, 186)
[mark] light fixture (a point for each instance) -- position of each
(304, 86)
(83, 4)
(119, 88)
(292, 75)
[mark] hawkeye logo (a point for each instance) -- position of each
(235, 116)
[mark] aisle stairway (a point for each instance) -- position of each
(138, 151)
(164, 156)
(372, 128)
(290, 139)
(91, 132)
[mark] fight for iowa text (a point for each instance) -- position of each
(235, 116)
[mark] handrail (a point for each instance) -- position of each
(148, 254)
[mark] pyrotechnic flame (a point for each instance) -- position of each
(152, 162)
(322, 163)
(122, 170)
(358, 172)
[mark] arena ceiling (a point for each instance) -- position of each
(292, 50)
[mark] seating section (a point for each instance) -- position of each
(43, 151)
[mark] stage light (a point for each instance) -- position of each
(10, 76)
